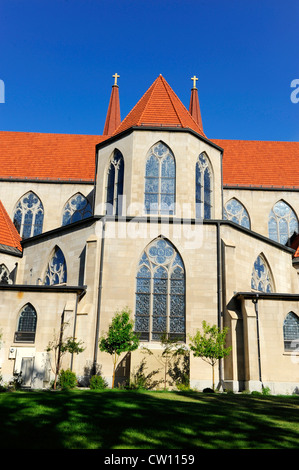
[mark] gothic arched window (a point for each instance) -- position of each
(291, 332)
(56, 272)
(236, 212)
(261, 278)
(203, 187)
(26, 324)
(160, 293)
(77, 208)
(115, 184)
(160, 180)
(4, 275)
(29, 215)
(282, 222)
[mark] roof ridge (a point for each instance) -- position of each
(173, 105)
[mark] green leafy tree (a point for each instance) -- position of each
(119, 338)
(210, 345)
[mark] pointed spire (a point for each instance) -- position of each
(113, 114)
(159, 106)
(194, 108)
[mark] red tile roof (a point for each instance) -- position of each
(260, 163)
(113, 114)
(159, 106)
(9, 235)
(48, 156)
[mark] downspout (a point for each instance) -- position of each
(96, 344)
(74, 330)
(219, 296)
(255, 301)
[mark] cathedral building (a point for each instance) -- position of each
(156, 217)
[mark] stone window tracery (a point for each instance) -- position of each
(160, 293)
(282, 222)
(77, 208)
(56, 271)
(29, 215)
(236, 212)
(160, 181)
(115, 184)
(203, 187)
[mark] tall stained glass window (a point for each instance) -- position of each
(291, 332)
(160, 293)
(29, 215)
(77, 208)
(261, 278)
(160, 180)
(282, 222)
(236, 212)
(56, 271)
(203, 187)
(115, 184)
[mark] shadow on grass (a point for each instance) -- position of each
(119, 419)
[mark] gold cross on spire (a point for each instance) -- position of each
(194, 81)
(115, 76)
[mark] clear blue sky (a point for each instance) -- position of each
(57, 58)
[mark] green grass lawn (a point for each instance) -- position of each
(120, 419)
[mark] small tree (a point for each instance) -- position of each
(210, 345)
(61, 347)
(171, 349)
(119, 338)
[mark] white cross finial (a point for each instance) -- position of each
(115, 76)
(194, 81)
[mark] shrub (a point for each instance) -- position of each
(97, 382)
(67, 379)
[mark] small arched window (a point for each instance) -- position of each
(77, 208)
(291, 332)
(56, 271)
(160, 180)
(115, 184)
(203, 187)
(29, 216)
(160, 293)
(236, 212)
(26, 325)
(4, 275)
(282, 222)
(261, 278)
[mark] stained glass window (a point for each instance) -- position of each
(4, 275)
(261, 278)
(291, 332)
(282, 222)
(160, 179)
(56, 271)
(203, 187)
(27, 319)
(26, 325)
(77, 208)
(115, 184)
(237, 213)
(29, 216)
(160, 293)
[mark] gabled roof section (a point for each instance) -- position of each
(53, 157)
(159, 106)
(9, 235)
(265, 164)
